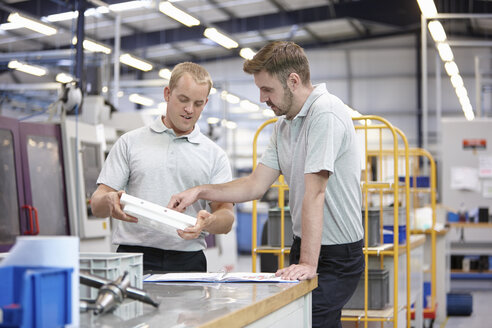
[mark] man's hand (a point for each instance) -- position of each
(180, 201)
(116, 211)
(297, 272)
(204, 219)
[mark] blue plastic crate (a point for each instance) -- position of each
(35, 296)
(422, 181)
(243, 230)
(388, 232)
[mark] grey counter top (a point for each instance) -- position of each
(202, 305)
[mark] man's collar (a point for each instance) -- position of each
(318, 90)
(158, 126)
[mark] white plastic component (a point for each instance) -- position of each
(154, 215)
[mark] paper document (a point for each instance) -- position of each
(153, 215)
(216, 277)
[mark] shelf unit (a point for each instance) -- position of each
(385, 255)
(415, 154)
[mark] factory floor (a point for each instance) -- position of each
(480, 318)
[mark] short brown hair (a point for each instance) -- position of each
(280, 59)
(198, 72)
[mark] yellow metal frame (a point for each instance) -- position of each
(367, 186)
(382, 187)
(282, 187)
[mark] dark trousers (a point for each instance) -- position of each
(339, 270)
(160, 260)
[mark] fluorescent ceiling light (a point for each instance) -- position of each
(445, 52)
(96, 47)
(220, 38)
(167, 8)
(247, 53)
(231, 125)
(437, 31)
(451, 68)
(461, 92)
(10, 26)
(427, 7)
(32, 24)
(213, 120)
(213, 91)
(96, 11)
(63, 78)
(26, 68)
(129, 5)
(165, 73)
(249, 106)
(468, 110)
(69, 15)
(232, 99)
(135, 62)
(456, 81)
(138, 99)
(464, 101)
(93, 46)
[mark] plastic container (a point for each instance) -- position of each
(243, 229)
(388, 233)
(111, 266)
(35, 296)
(374, 230)
(378, 291)
(459, 304)
(422, 181)
(274, 227)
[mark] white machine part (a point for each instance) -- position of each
(84, 146)
(155, 216)
(94, 110)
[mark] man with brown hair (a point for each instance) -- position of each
(155, 161)
(313, 145)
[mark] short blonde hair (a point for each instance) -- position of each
(280, 59)
(198, 72)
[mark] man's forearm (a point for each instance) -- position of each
(236, 191)
(224, 219)
(98, 205)
(312, 229)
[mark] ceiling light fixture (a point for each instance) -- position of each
(247, 53)
(31, 24)
(93, 46)
(220, 38)
(427, 7)
(451, 68)
(168, 9)
(26, 68)
(129, 5)
(140, 64)
(165, 73)
(138, 99)
(445, 52)
(63, 78)
(437, 31)
(69, 15)
(456, 81)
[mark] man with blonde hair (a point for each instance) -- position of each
(155, 161)
(313, 145)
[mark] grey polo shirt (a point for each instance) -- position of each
(321, 137)
(152, 163)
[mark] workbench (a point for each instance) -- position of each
(214, 305)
